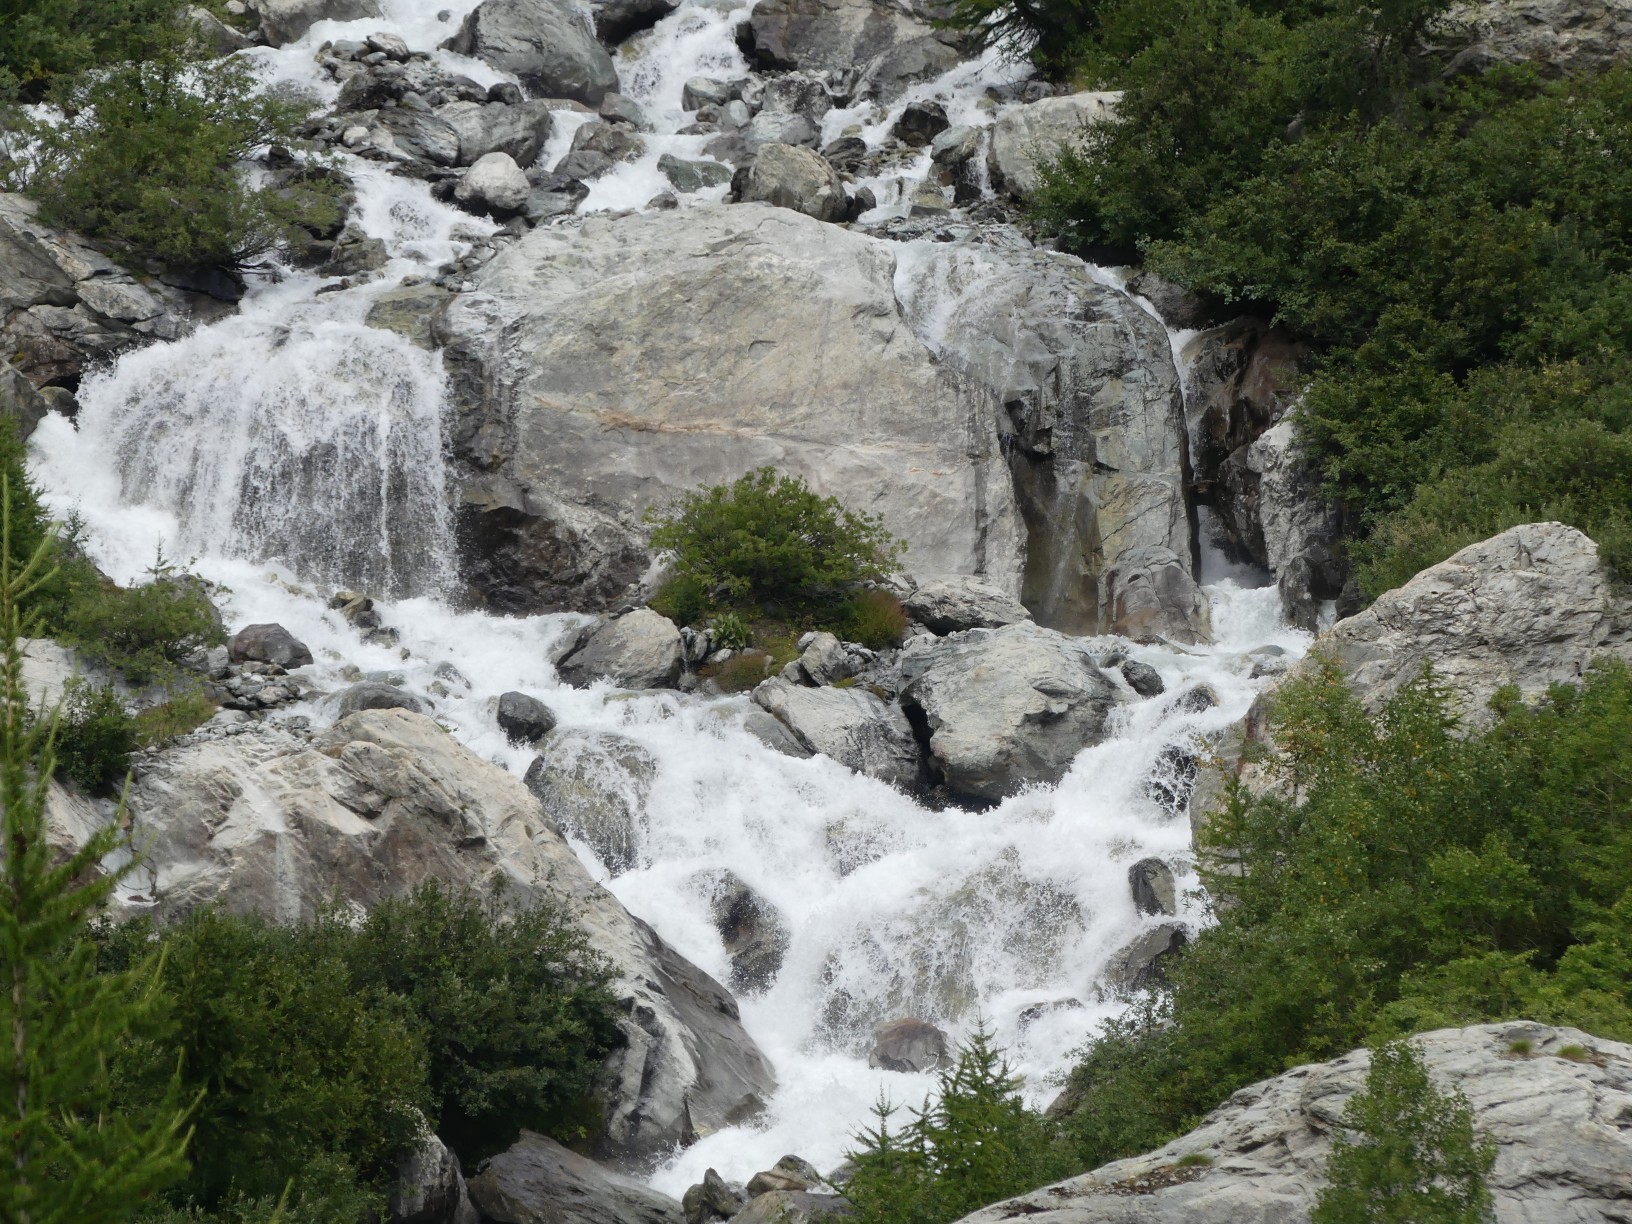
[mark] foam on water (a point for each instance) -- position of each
(293, 449)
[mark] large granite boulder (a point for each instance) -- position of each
(543, 44)
(828, 34)
(600, 370)
(1563, 1149)
(1083, 381)
(284, 21)
(518, 130)
(950, 605)
(1025, 138)
(787, 176)
(430, 1187)
(1006, 707)
(537, 1181)
(1531, 607)
(616, 20)
(385, 800)
(638, 650)
(850, 725)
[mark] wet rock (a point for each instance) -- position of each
(422, 136)
(795, 178)
(595, 785)
(216, 36)
(1143, 961)
(789, 1173)
(617, 20)
(1178, 307)
(617, 141)
(826, 660)
(1151, 883)
(557, 196)
(542, 44)
(284, 21)
(1560, 1155)
(1024, 137)
(524, 719)
(702, 91)
(909, 1045)
(268, 643)
(411, 311)
(756, 936)
(712, 1199)
(374, 695)
(950, 605)
(1006, 707)
(1559, 37)
(495, 186)
(811, 35)
(772, 128)
(793, 1207)
(851, 726)
(774, 734)
(846, 153)
(954, 146)
(616, 108)
(584, 165)
(537, 1181)
(1143, 679)
(639, 650)
(919, 124)
(354, 254)
(20, 402)
(692, 175)
(519, 131)
(430, 1188)
(915, 60)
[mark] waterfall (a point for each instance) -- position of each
(294, 448)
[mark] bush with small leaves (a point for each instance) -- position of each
(95, 736)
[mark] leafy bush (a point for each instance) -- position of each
(95, 737)
(974, 1145)
(728, 631)
(766, 539)
(143, 632)
(512, 1008)
(326, 1191)
(43, 39)
(186, 709)
(1414, 1158)
(874, 618)
(148, 161)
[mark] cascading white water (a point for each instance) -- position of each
(293, 448)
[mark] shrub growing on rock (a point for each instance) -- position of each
(143, 632)
(95, 737)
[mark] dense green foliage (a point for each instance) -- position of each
(142, 632)
(318, 1050)
(1408, 1153)
(1459, 251)
(44, 39)
(1427, 878)
(70, 1148)
(95, 737)
(767, 539)
(974, 1144)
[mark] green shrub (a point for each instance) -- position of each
(512, 1008)
(1413, 1157)
(95, 737)
(326, 1191)
(143, 632)
(767, 540)
(728, 631)
(43, 39)
(875, 619)
(186, 709)
(148, 162)
(742, 672)
(975, 1144)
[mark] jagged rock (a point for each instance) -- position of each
(542, 44)
(618, 109)
(616, 141)
(537, 1181)
(375, 695)
(919, 123)
(950, 605)
(1025, 137)
(836, 34)
(712, 1199)
(1151, 883)
(770, 128)
(908, 1045)
(1006, 707)
(268, 644)
(955, 146)
(826, 660)
(524, 719)
(494, 185)
(422, 136)
(789, 1173)
(754, 933)
(410, 311)
(1531, 607)
(586, 388)
(703, 91)
(519, 130)
(1084, 381)
(429, 1187)
(215, 35)
(24, 406)
(692, 175)
(1563, 1151)
(851, 726)
(1143, 961)
(284, 21)
(1143, 679)
(271, 823)
(594, 785)
(1561, 37)
(616, 20)
(793, 1207)
(639, 650)
(774, 734)
(1178, 307)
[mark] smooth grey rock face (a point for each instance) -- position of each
(283, 21)
(789, 177)
(1007, 707)
(1563, 1149)
(594, 785)
(1151, 883)
(755, 934)
(268, 644)
(542, 44)
(430, 1189)
(1084, 384)
(518, 130)
(422, 136)
(410, 311)
(524, 719)
(692, 175)
(850, 725)
(909, 1045)
(639, 650)
(20, 402)
(826, 660)
(616, 20)
(1143, 962)
(269, 823)
(601, 370)
(1024, 138)
(537, 1181)
(1143, 679)
(373, 695)
(1531, 607)
(827, 34)
(951, 605)
(1561, 37)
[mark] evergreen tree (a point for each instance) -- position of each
(67, 1156)
(1413, 1157)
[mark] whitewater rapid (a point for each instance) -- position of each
(291, 450)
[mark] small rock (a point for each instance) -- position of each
(373, 695)
(920, 123)
(1143, 679)
(704, 91)
(712, 1199)
(692, 175)
(789, 1173)
(754, 933)
(1142, 962)
(1151, 882)
(955, 146)
(908, 1045)
(640, 650)
(494, 185)
(619, 109)
(268, 643)
(524, 719)
(949, 605)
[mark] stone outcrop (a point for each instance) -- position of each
(385, 800)
(638, 650)
(1005, 708)
(594, 785)
(1531, 607)
(951, 605)
(909, 1045)
(789, 177)
(836, 35)
(268, 643)
(850, 725)
(1563, 1147)
(1561, 37)
(754, 933)
(20, 402)
(542, 44)
(601, 370)
(1084, 383)
(284, 21)
(430, 1188)
(537, 1181)
(1024, 138)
